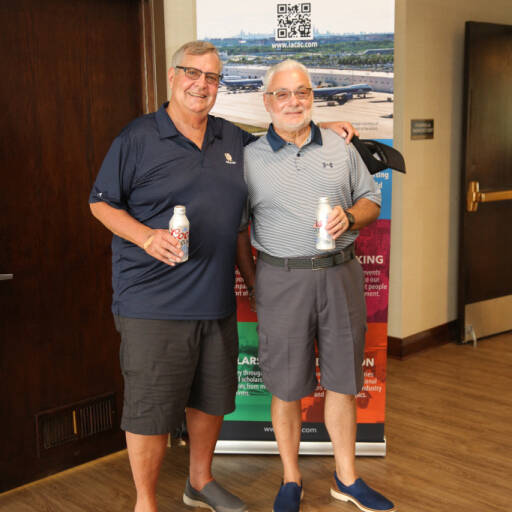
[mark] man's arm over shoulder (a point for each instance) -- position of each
(343, 128)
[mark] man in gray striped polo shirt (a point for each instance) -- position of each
(303, 293)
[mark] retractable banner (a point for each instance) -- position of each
(348, 50)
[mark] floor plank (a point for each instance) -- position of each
(449, 434)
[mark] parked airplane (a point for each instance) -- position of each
(236, 83)
(341, 94)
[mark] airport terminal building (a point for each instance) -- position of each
(379, 81)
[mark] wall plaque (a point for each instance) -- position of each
(422, 129)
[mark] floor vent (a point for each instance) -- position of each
(73, 422)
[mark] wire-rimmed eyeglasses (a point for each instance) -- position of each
(195, 74)
(302, 93)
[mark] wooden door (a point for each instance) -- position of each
(485, 280)
(71, 79)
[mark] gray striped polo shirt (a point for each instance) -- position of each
(285, 183)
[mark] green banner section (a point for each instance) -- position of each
(252, 398)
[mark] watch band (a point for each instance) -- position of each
(351, 219)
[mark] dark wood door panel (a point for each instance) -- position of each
(71, 80)
(486, 237)
(488, 256)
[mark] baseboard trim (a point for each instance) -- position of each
(403, 347)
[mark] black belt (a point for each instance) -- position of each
(313, 263)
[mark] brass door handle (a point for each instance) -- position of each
(474, 196)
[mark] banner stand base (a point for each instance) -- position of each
(368, 449)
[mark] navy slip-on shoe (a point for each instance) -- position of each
(288, 498)
(363, 496)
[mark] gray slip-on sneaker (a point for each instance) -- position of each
(214, 497)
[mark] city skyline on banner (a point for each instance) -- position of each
(327, 17)
(352, 74)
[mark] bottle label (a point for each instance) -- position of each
(324, 240)
(182, 234)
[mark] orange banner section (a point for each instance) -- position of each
(371, 401)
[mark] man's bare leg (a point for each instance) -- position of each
(340, 421)
(203, 432)
(286, 420)
(146, 454)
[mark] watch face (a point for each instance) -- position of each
(351, 220)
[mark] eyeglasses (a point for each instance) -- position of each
(195, 74)
(283, 95)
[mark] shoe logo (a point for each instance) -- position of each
(229, 159)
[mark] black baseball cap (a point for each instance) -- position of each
(378, 156)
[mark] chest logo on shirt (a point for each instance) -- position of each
(328, 164)
(229, 159)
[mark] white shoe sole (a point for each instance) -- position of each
(346, 497)
(196, 503)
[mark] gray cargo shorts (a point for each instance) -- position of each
(169, 365)
(297, 306)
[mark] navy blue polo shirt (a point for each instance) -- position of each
(149, 169)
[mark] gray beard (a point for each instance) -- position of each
(292, 127)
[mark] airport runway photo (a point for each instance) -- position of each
(372, 115)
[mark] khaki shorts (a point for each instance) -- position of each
(169, 365)
(297, 306)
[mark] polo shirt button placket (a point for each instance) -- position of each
(298, 162)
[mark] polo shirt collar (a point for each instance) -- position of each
(277, 142)
(166, 127)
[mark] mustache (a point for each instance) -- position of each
(293, 110)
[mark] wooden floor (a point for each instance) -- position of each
(449, 433)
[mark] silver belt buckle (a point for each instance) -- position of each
(319, 257)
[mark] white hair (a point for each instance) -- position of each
(284, 66)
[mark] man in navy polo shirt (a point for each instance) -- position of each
(177, 320)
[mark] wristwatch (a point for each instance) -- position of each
(351, 220)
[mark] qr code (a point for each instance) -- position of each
(294, 22)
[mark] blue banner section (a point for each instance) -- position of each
(384, 180)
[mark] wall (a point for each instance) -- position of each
(180, 26)
(429, 61)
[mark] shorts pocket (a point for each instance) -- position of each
(263, 351)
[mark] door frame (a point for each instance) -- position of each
(153, 61)
(501, 303)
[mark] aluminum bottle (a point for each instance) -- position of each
(179, 228)
(324, 240)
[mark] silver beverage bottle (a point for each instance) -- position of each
(179, 228)
(324, 240)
